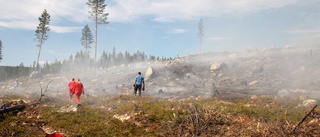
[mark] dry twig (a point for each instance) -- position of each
(41, 92)
(304, 118)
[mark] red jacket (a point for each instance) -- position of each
(71, 84)
(78, 88)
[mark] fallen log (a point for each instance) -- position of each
(13, 108)
(304, 118)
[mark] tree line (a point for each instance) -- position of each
(78, 62)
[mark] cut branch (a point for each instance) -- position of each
(42, 93)
(304, 118)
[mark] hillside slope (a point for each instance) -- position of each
(292, 70)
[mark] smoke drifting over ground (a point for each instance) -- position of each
(290, 71)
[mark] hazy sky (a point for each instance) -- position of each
(157, 27)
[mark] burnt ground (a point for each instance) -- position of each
(257, 72)
(290, 72)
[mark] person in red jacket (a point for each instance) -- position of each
(78, 90)
(71, 88)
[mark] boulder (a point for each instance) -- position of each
(255, 82)
(149, 73)
(122, 118)
(218, 67)
(70, 108)
(309, 103)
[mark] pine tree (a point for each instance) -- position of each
(98, 15)
(86, 41)
(42, 31)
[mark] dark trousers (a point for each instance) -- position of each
(137, 87)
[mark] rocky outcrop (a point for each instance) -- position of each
(149, 73)
(309, 103)
(218, 67)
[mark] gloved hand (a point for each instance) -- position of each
(134, 85)
(143, 88)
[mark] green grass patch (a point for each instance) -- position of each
(148, 116)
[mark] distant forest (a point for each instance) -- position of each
(79, 61)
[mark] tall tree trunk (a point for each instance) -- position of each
(37, 65)
(86, 55)
(95, 44)
(200, 45)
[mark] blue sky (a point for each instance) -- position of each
(157, 27)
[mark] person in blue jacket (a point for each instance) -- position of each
(138, 84)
